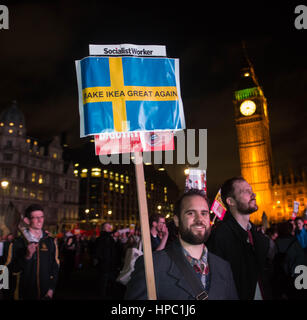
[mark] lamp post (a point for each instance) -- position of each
(4, 185)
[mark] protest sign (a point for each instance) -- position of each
(196, 179)
(218, 207)
(133, 141)
(296, 205)
(120, 94)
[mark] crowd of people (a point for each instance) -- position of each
(193, 258)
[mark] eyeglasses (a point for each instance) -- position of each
(37, 218)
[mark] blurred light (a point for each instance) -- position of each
(159, 207)
(246, 74)
(109, 212)
(4, 184)
(186, 171)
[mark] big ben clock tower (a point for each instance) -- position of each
(252, 123)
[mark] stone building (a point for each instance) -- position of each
(32, 171)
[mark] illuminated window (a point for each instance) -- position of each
(111, 175)
(11, 124)
(105, 174)
(1, 124)
(28, 140)
(11, 131)
(76, 164)
(35, 143)
(96, 172)
(33, 176)
(40, 179)
(20, 126)
(32, 194)
(116, 177)
(40, 195)
(152, 187)
(116, 187)
(25, 192)
(76, 173)
(83, 173)
(165, 198)
(127, 179)
(165, 189)
(54, 156)
(111, 186)
(121, 178)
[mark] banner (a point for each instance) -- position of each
(296, 205)
(196, 179)
(121, 94)
(127, 50)
(126, 142)
(218, 207)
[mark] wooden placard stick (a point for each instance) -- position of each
(142, 200)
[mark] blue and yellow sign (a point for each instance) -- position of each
(129, 94)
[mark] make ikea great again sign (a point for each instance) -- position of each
(120, 94)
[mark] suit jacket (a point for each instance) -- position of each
(171, 283)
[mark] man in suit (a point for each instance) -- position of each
(212, 273)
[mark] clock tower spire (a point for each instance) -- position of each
(252, 124)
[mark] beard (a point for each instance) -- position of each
(196, 238)
(246, 209)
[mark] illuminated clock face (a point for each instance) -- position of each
(248, 107)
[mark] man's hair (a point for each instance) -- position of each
(227, 189)
(31, 208)
(190, 193)
(299, 218)
(102, 227)
(155, 218)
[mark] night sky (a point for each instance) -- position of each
(37, 68)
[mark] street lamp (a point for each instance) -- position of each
(4, 186)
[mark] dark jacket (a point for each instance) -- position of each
(107, 253)
(230, 242)
(38, 274)
(171, 283)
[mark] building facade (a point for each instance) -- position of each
(34, 172)
(109, 192)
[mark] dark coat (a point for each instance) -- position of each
(171, 284)
(38, 274)
(108, 253)
(230, 242)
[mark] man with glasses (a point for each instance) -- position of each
(35, 260)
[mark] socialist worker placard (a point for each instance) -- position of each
(122, 94)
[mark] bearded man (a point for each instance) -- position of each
(213, 274)
(237, 241)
